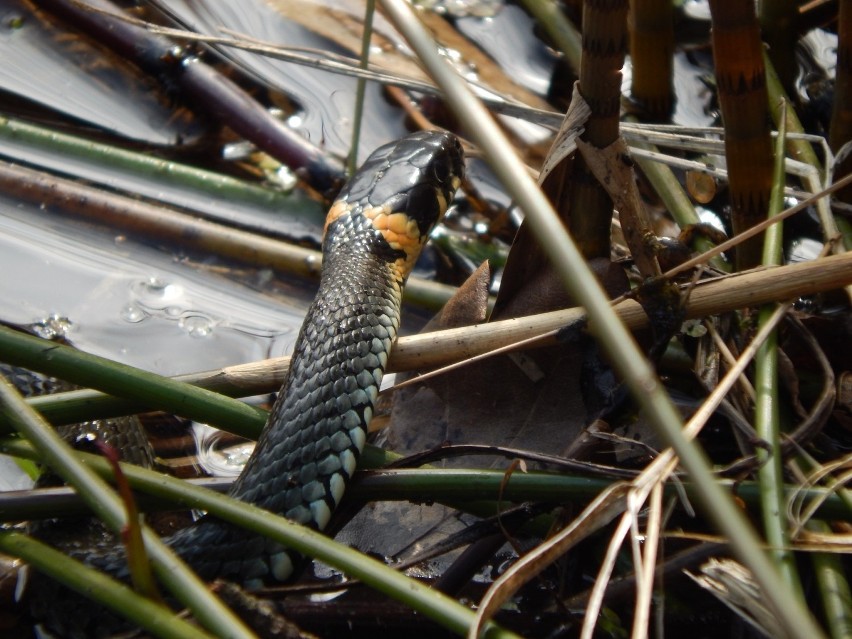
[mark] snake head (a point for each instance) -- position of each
(401, 192)
(437, 168)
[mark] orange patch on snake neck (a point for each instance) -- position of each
(399, 230)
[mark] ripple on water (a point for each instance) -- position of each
(218, 460)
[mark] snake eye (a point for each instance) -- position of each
(441, 171)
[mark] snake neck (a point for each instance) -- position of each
(317, 427)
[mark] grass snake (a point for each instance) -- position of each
(317, 427)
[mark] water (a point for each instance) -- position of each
(132, 303)
(46, 65)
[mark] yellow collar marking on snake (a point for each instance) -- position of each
(399, 230)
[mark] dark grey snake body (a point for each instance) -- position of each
(318, 426)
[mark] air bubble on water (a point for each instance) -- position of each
(196, 325)
(133, 313)
(52, 327)
(155, 288)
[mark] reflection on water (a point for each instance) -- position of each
(131, 303)
(46, 65)
(215, 459)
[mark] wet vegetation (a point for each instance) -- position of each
(631, 411)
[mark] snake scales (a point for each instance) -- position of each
(318, 426)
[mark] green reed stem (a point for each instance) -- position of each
(144, 613)
(565, 35)
(180, 580)
(437, 606)
(833, 586)
(767, 415)
(16, 134)
(477, 491)
(152, 390)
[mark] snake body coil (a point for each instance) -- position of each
(317, 427)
